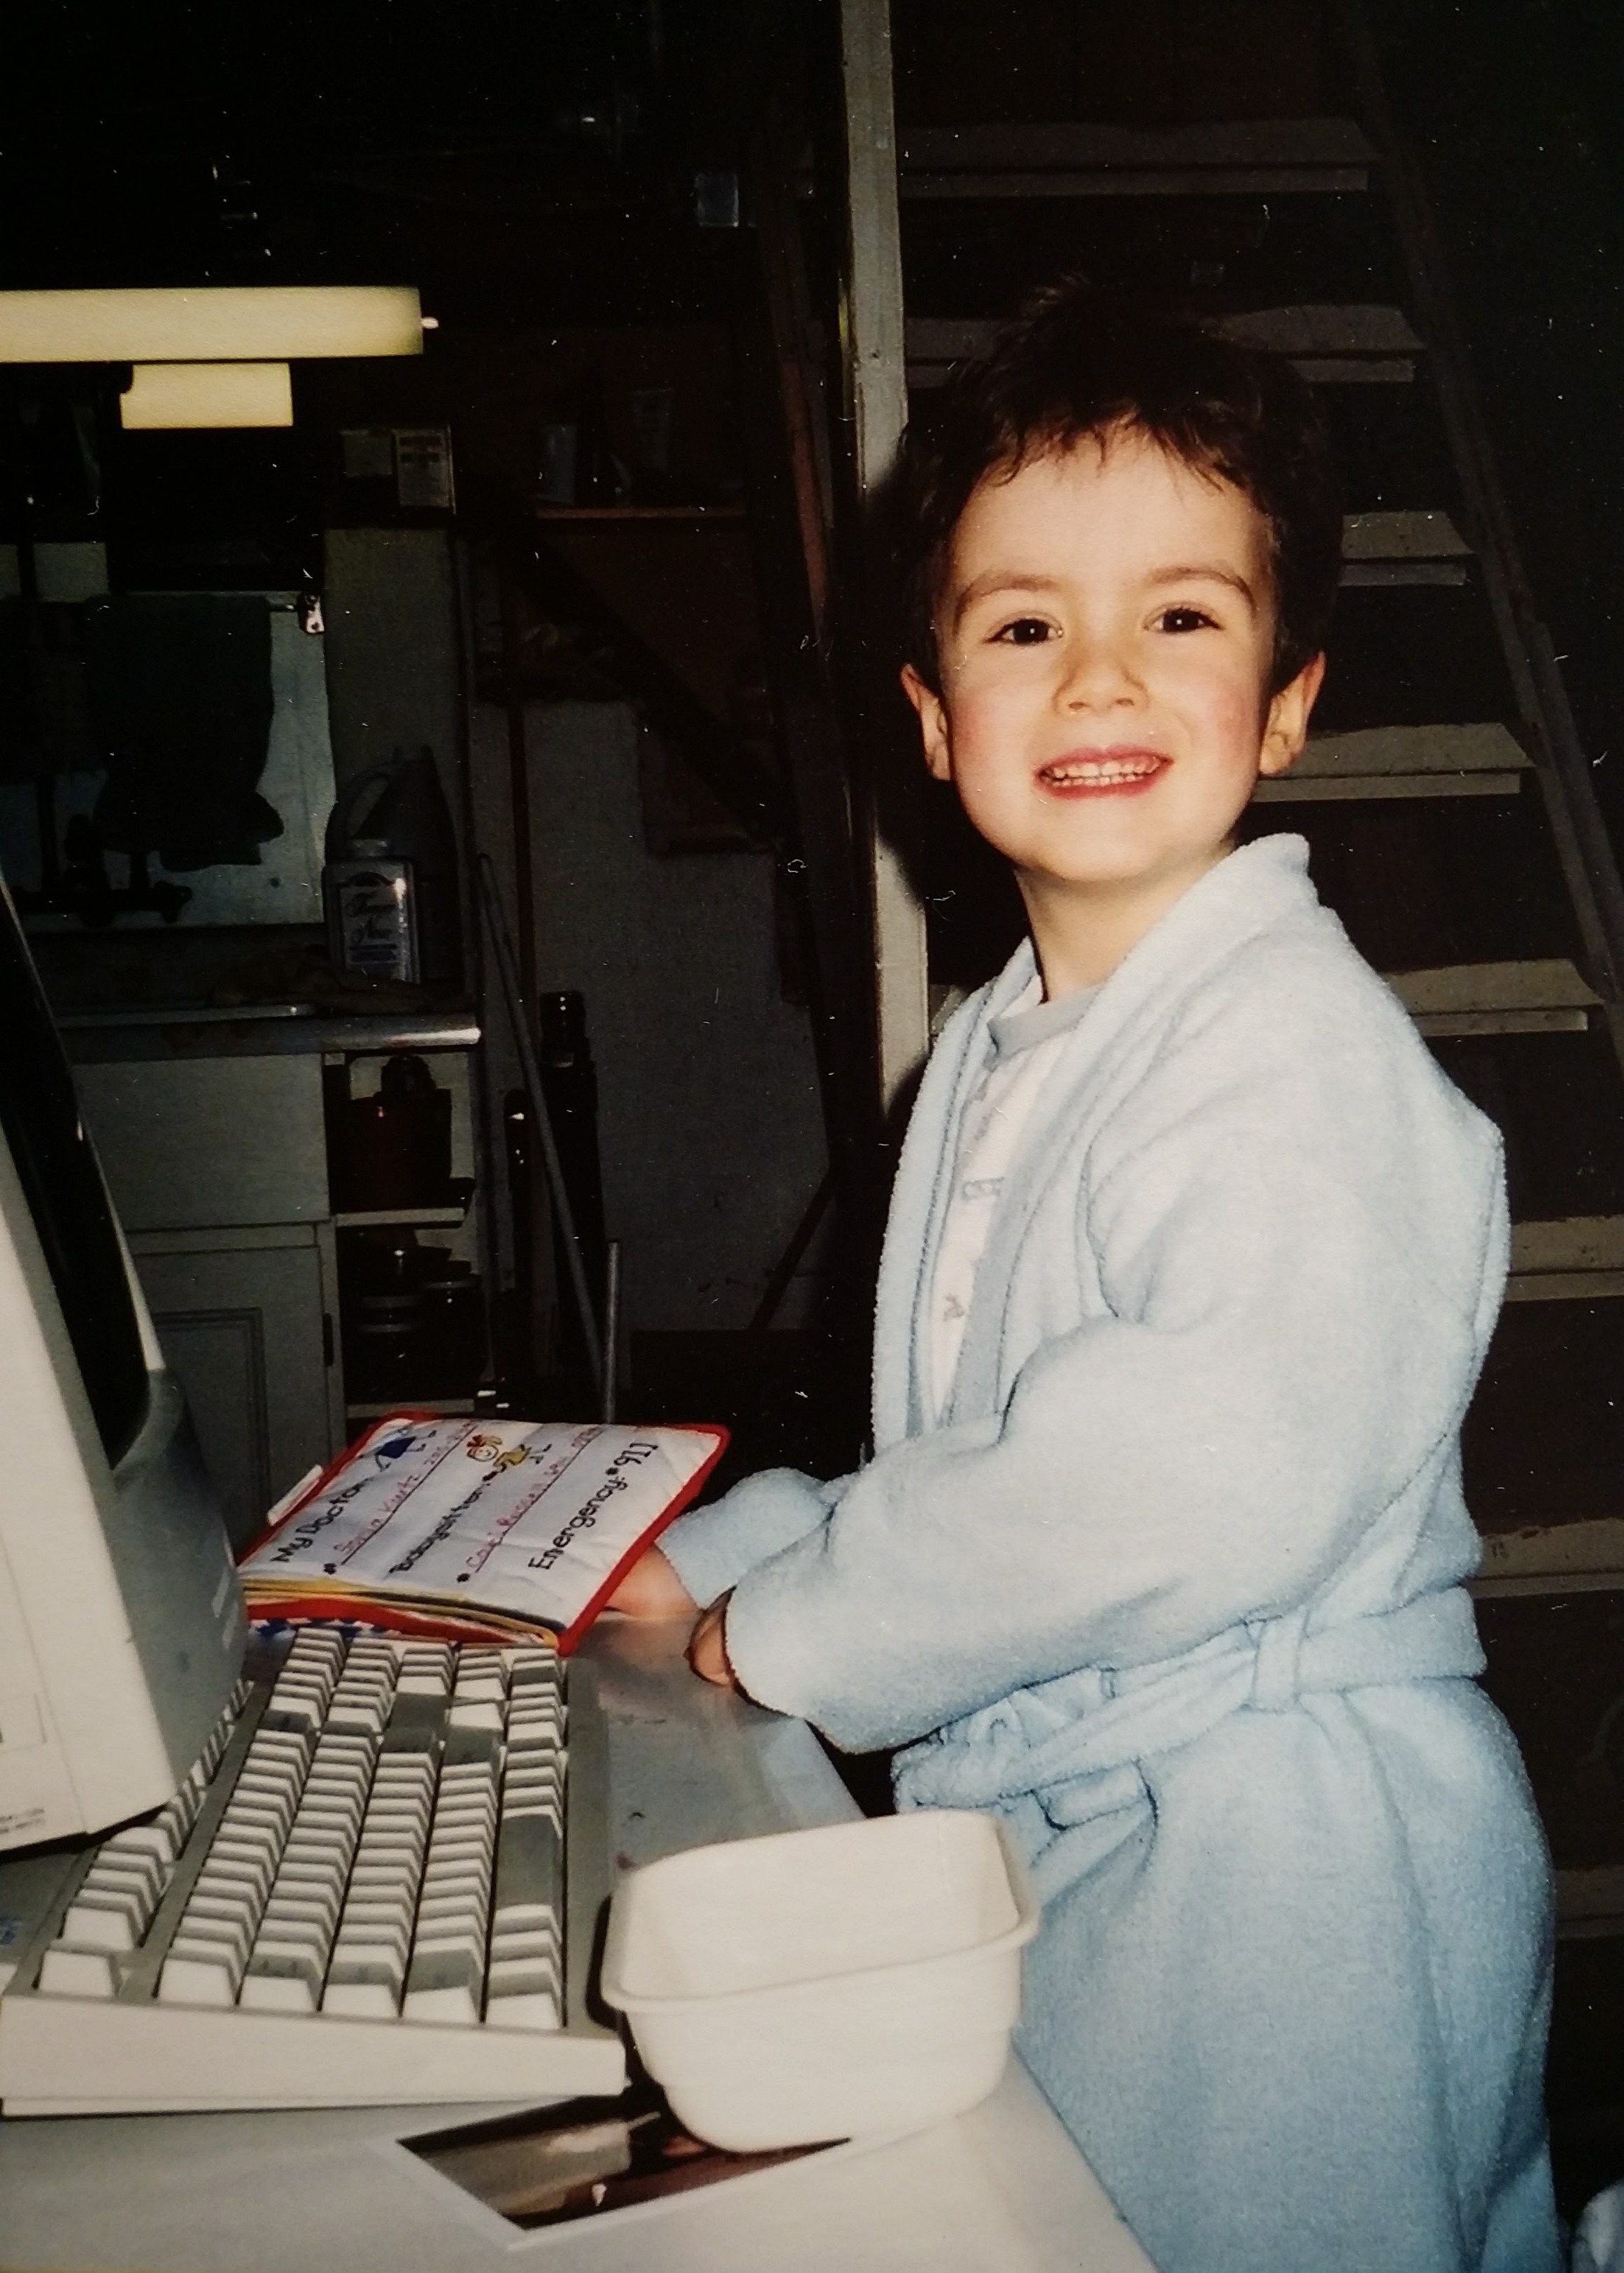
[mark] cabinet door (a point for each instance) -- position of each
(244, 1329)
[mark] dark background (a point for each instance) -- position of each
(534, 161)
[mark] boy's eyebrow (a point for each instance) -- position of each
(1003, 579)
(1212, 572)
(1000, 579)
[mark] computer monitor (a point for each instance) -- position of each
(121, 1619)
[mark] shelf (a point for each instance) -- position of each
(691, 514)
(448, 1408)
(400, 1217)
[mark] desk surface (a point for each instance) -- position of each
(1001, 2190)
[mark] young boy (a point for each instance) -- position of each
(1192, 1260)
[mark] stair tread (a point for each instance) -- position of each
(1401, 762)
(1547, 983)
(1481, 760)
(1554, 1544)
(1574, 1242)
(1425, 535)
(1313, 328)
(1318, 327)
(1484, 747)
(1081, 143)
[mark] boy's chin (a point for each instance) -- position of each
(1106, 878)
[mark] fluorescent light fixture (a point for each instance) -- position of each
(211, 324)
(208, 394)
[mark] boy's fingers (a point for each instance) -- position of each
(707, 1651)
(652, 1590)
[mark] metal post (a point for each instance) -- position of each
(611, 1326)
(518, 778)
(518, 1019)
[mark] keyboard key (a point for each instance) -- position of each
(92, 1923)
(145, 1839)
(197, 1973)
(229, 1867)
(511, 1944)
(524, 1977)
(532, 2009)
(529, 1869)
(457, 2006)
(294, 1961)
(115, 1866)
(78, 1973)
(366, 2000)
(229, 1927)
(277, 1992)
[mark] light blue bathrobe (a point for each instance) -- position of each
(1176, 1586)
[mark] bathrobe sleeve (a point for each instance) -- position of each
(712, 1549)
(1299, 1229)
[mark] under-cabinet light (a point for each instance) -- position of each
(211, 323)
(208, 394)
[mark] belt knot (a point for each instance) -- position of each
(1274, 1670)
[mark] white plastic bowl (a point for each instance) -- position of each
(825, 1984)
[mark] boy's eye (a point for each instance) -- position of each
(1025, 630)
(1185, 619)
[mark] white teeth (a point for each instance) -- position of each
(1067, 775)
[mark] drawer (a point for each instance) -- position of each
(212, 1141)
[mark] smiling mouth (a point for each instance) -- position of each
(1129, 769)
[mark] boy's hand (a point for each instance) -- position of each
(707, 1651)
(651, 1590)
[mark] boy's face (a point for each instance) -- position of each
(1106, 629)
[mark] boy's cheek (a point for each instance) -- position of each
(1234, 709)
(977, 707)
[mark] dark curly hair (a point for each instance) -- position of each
(1076, 362)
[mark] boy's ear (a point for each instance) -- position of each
(932, 723)
(1285, 725)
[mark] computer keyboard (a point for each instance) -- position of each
(378, 1886)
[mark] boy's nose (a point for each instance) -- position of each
(1099, 674)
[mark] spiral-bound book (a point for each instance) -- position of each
(476, 1530)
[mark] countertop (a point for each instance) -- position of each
(121, 1033)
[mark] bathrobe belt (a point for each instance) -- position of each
(1074, 1747)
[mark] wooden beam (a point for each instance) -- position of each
(780, 431)
(873, 342)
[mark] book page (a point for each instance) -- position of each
(532, 1518)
